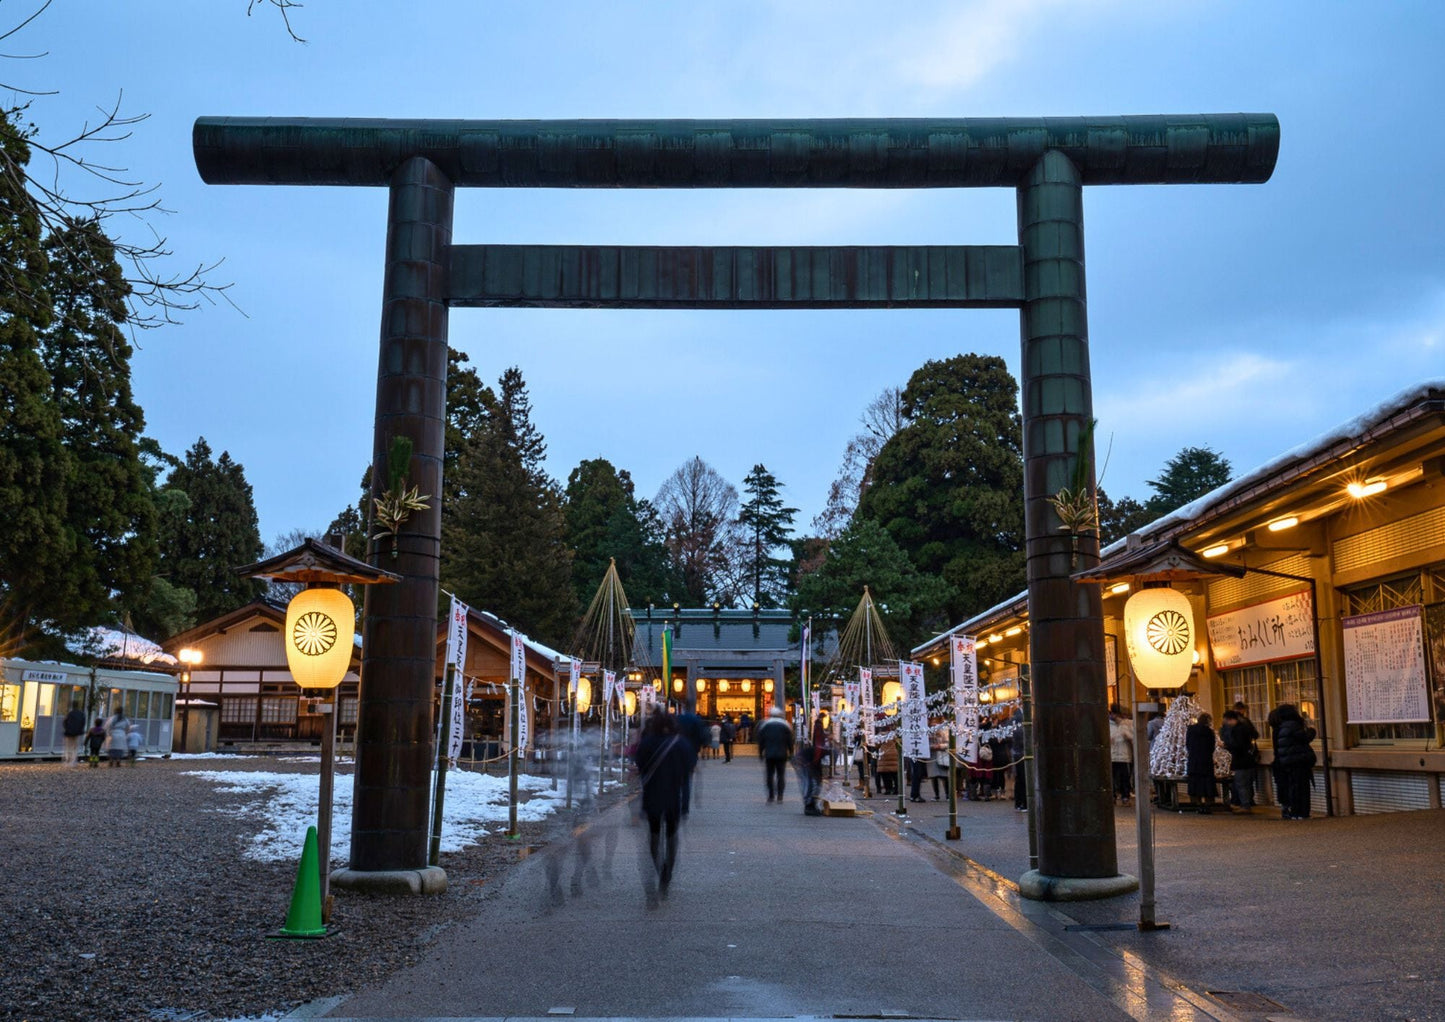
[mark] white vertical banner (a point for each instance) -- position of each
(456, 656)
(915, 711)
(609, 683)
(574, 675)
(803, 672)
(519, 687)
(850, 696)
(459, 718)
(963, 664)
(865, 701)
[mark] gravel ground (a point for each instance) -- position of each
(126, 899)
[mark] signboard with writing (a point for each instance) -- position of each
(915, 712)
(963, 665)
(1278, 629)
(1385, 667)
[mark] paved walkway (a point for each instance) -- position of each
(772, 914)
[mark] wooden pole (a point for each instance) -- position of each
(514, 693)
(323, 803)
(443, 744)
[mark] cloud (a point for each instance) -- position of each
(1204, 387)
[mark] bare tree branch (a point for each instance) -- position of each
(284, 6)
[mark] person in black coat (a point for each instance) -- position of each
(1199, 742)
(1294, 761)
(1238, 736)
(775, 748)
(665, 759)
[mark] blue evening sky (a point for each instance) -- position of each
(1248, 318)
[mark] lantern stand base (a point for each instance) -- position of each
(953, 833)
(1038, 887)
(427, 880)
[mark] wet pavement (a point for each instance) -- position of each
(777, 914)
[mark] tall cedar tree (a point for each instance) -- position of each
(698, 508)
(110, 511)
(949, 485)
(605, 522)
(33, 460)
(765, 525)
(913, 604)
(503, 531)
(1190, 474)
(203, 541)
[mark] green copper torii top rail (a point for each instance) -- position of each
(843, 153)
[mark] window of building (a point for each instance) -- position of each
(1264, 686)
(346, 712)
(238, 710)
(278, 710)
(1407, 590)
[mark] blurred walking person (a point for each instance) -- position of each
(775, 748)
(116, 746)
(665, 759)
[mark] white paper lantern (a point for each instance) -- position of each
(584, 695)
(1159, 633)
(320, 627)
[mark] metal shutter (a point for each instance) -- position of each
(1233, 592)
(1408, 535)
(1379, 791)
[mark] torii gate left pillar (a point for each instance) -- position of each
(1047, 160)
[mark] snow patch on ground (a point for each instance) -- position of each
(286, 805)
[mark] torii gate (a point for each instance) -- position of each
(1047, 160)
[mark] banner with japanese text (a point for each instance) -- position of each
(865, 701)
(915, 711)
(963, 668)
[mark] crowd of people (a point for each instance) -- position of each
(118, 736)
(1224, 764)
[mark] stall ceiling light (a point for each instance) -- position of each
(1015, 630)
(1218, 550)
(1366, 489)
(1280, 524)
(995, 637)
(1122, 587)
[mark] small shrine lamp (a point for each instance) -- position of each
(1159, 634)
(320, 643)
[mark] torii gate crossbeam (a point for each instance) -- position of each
(1048, 161)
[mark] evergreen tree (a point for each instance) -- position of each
(698, 507)
(606, 522)
(1119, 518)
(34, 465)
(466, 414)
(866, 555)
(949, 485)
(765, 524)
(503, 533)
(1190, 474)
(110, 512)
(212, 534)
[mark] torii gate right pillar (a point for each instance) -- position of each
(1075, 811)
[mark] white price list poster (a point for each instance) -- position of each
(1385, 668)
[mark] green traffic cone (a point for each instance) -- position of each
(304, 919)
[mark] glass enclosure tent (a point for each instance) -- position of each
(35, 697)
